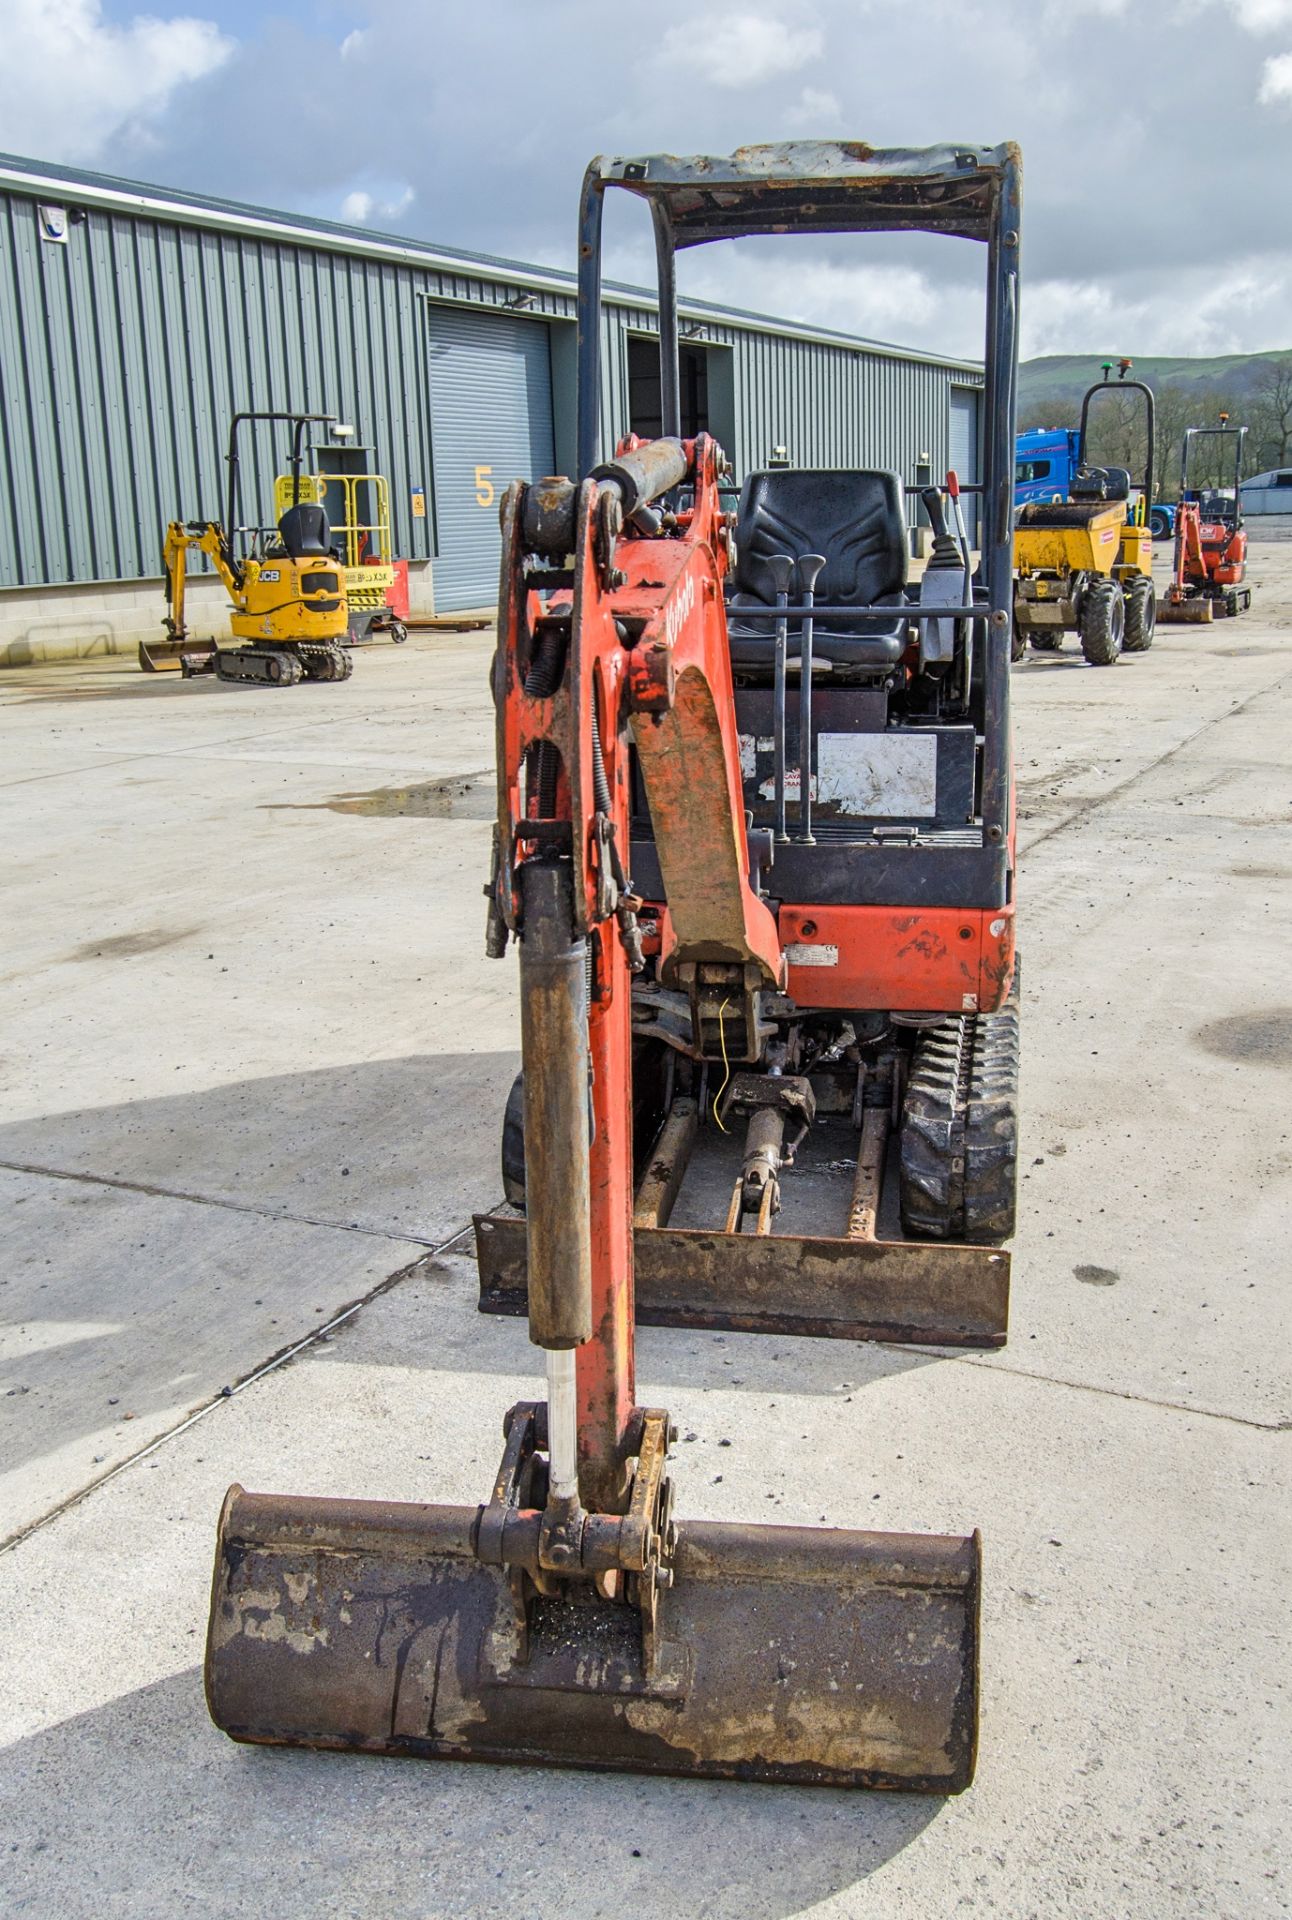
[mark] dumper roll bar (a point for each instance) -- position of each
(811, 186)
(1122, 385)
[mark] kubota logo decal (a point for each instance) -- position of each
(678, 609)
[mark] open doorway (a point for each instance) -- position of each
(644, 410)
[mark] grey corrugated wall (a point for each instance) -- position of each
(124, 352)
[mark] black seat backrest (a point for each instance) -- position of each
(1100, 483)
(1089, 483)
(854, 516)
(304, 532)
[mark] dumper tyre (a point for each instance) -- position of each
(1046, 640)
(513, 1145)
(1103, 623)
(1141, 616)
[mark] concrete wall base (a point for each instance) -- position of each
(112, 617)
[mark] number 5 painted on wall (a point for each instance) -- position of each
(484, 487)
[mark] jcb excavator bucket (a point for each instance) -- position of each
(790, 1654)
(160, 656)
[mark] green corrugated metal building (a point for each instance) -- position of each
(134, 320)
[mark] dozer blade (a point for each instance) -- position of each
(918, 1292)
(160, 656)
(1185, 613)
(786, 1654)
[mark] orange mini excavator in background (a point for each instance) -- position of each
(1209, 563)
(755, 847)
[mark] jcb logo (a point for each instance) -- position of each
(679, 609)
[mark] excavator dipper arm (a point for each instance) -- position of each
(611, 637)
(205, 536)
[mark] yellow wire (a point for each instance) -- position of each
(722, 1036)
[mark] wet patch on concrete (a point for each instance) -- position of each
(1243, 653)
(1261, 873)
(1264, 1039)
(466, 796)
(1097, 1276)
(125, 946)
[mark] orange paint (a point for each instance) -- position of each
(944, 960)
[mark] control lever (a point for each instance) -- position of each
(781, 567)
(953, 488)
(810, 567)
(942, 584)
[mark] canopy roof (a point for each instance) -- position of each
(818, 186)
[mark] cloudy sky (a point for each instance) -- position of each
(1156, 134)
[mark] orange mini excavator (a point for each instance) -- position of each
(1209, 563)
(755, 848)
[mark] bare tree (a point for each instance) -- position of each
(1272, 387)
(1174, 410)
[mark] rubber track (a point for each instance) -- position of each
(322, 662)
(959, 1141)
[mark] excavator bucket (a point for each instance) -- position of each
(909, 1292)
(812, 1280)
(163, 656)
(1195, 610)
(786, 1654)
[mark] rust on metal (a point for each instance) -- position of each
(789, 1654)
(911, 1292)
(870, 1174)
(657, 1190)
(554, 1038)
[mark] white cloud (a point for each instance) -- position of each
(1276, 80)
(738, 49)
(1262, 16)
(1236, 309)
(353, 43)
(815, 112)
(359, 206)
(878, 302)
(71, 81)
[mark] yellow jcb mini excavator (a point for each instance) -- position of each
(288, 612)
(786, 992)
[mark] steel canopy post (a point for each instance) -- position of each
(998, 491)
(588, 395)
(670, 385)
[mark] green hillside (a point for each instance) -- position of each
(1060, 379)
(1255, 389)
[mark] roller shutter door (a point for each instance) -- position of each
(964, 448)
(491, 423)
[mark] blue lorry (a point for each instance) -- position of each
(1045, 459)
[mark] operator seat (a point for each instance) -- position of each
(856, 518)
(304, 532)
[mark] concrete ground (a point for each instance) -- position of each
(253, 1066)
